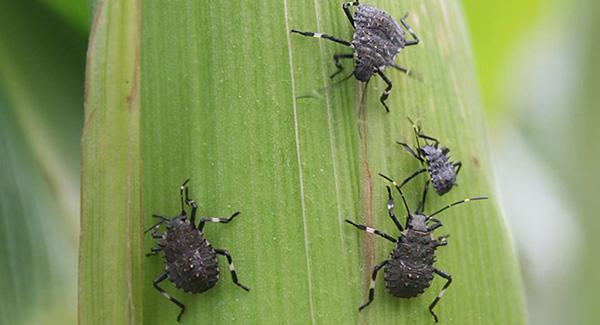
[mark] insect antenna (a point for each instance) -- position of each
(459, 202)
(399, 190)
(181, 189)
(417, 130)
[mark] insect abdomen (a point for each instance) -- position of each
(410, 267)
(441, 171)
(191, 263)
(378, 39)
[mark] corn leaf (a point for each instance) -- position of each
(229, 98)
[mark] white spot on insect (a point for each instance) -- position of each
(441, 293)
(231, 267)
(467, 200)
(372, 284)
(215, 220)
(370, 230)
(318, 35)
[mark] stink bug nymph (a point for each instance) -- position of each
(442, 171)
(377, 39)
(190, 261)
(409, 269)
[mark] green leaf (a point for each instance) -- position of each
(487, 31)
(41, 71)
(110, 277)
(38, 261)
(220, 104)
(75, 12)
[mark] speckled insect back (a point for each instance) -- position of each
(377, 39)
(410, 268)
(190, 261)
(404, 280)
(442, 171)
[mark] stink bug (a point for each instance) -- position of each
(190, 261)
(409, 269)
(442, 171)
(377, 39)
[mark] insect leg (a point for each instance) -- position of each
(415, 174)
(225, 253)
(372, 286)
(372, 231)
(156, 235)
(422, 203)
(203, 220)
(162, 220)
(446, 276)
(436, 224)
(458, 166)
(415, 40)
(346, 6)
(189, 202)
(411, 152)
(158, 280)
(387, 91)
(406, 71)
(390, 206)
(426, 137)
(154, 251)
(325, 36)
(338, 64)
(442, 241)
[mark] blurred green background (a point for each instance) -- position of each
(539, 80)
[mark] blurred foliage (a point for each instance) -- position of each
(497, 28)
(42, 71)
(41, 89)
(586, 175)
(538, 66)
(73, 12)
(38, 260)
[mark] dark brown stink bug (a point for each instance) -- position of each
(190, 261)
(442, 171)
(377, 39)
(410, 267)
